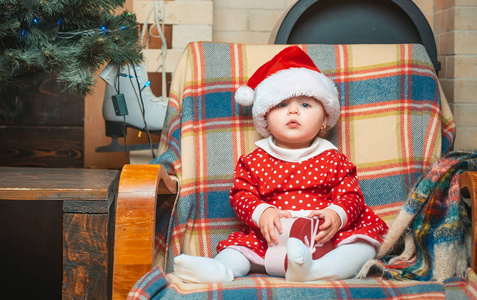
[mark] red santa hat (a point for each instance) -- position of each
(290, 73)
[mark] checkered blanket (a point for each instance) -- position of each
(393, 125)
(434, 224)
(156, 285)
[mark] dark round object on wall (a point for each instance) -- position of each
(357, 22)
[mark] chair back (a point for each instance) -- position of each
(394, 123)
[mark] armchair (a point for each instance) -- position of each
(395, 123)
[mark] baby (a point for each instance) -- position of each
(294, 172)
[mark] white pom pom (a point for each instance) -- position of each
(244, 96)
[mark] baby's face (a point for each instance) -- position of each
(295, 122)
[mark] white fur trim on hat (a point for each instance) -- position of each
(244, 96)
(294, 82)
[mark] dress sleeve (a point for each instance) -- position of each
(244, 195)
(345, 191)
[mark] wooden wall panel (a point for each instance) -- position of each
(41, 146)
(41, 126)
(41, 104)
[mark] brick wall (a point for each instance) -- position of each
(456, 30)
(247, 21)
(454, 24)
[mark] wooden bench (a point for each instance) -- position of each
(87, 196)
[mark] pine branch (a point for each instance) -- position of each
(71, 37)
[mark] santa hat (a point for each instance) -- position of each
(290, 73)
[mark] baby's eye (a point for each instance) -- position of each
(305, 105)
(282, 104)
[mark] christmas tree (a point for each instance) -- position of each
(72, 38)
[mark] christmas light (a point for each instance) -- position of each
(146, 85)
(125, 75)
(71, 34)
(73, 47)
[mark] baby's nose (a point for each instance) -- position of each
(292, 109)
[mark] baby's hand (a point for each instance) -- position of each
(331, 224)
(270, 219)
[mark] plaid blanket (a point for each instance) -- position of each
(156, 285)
(438, 245)
(393, 125)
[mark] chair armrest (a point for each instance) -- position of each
(468, 181)
(135, 222)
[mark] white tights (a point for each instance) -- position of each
(342, 262)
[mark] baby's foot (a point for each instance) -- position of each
(299, 261)
(201, 269)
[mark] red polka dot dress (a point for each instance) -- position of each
(328, 178)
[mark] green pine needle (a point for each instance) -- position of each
(71, 37)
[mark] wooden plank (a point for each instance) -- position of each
(153, 62)
(41, 104)
(111, 235)
(82, 207)
(177, 12)
(41, 146)
(57, 184)
(99, 205)
(184, 34)
(85, 256)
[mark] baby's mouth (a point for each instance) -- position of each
(293, 123)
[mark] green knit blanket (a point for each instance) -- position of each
(430, 238)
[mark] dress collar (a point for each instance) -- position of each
(318, 146)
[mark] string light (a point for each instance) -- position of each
(146, 85)
(74, 33)
(34, 30)
(125, 75)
